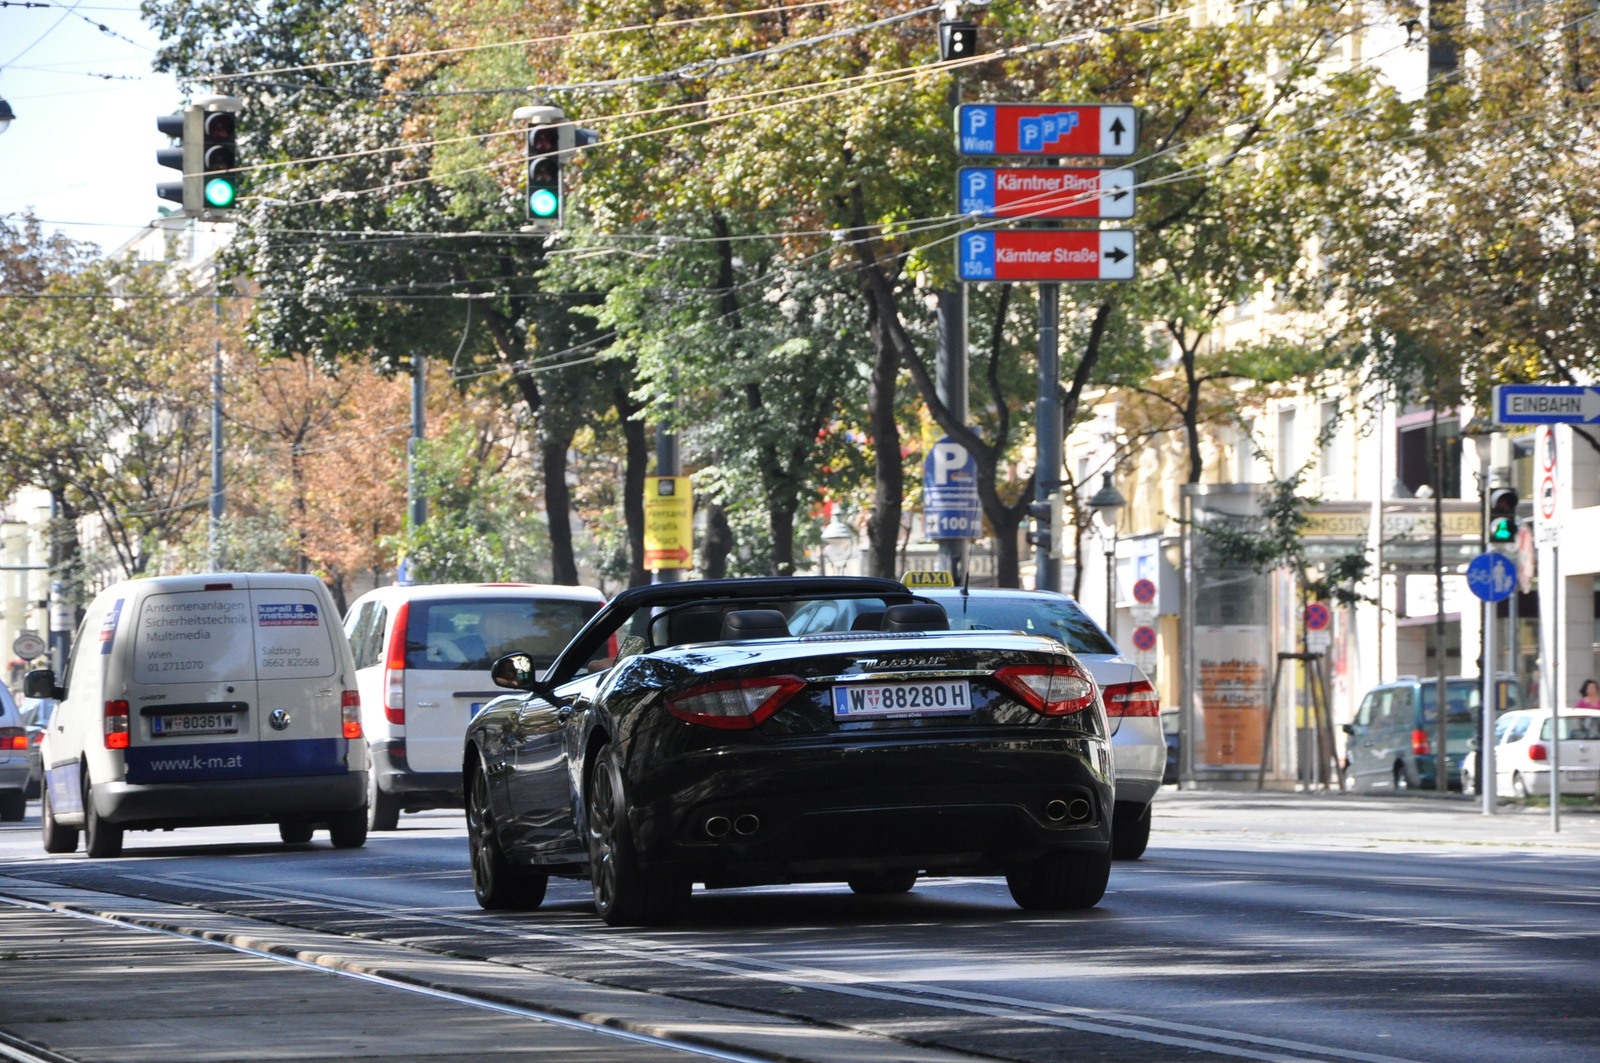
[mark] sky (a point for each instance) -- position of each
(82, 148)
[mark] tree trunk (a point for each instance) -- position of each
(781, 514)
(635, 463)
(883, 526)
(336, 588)
(718, 542)
(1007, 571)
(1191, 417)
(558, 506)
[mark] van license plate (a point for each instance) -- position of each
(859, 701)
(195, 723)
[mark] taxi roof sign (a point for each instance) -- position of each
(928, 579)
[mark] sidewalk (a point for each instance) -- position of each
(1362, 820)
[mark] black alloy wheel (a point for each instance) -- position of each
(497, 885)
(56, 838)
(383, 810)
(1130, 830)
(884, 883)
(295, 833)
(625, 894)
(101, 839)
(1060, 881)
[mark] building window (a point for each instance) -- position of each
(1288, 453)
(1329, 437)
(1416, 456)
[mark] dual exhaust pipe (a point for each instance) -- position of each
(1075, 810)
(721, 826)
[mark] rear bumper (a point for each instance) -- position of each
(822, 815)
(415, 789)
(199, 804)
(14, 773)
(1139, 750)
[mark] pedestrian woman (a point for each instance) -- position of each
(1589, 695)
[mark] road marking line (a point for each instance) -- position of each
(1086, 1020)
(1440, 924)
(391, 982)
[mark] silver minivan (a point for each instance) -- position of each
(200, 701)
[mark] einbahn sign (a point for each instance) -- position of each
(1044, 192)
(1045, 255)
(1049, 129)
(1545, 404)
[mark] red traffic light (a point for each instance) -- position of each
(220, 125)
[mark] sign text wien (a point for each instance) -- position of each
(1049, 129)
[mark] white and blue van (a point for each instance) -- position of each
(200, 701)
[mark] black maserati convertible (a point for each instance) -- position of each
(748, 732)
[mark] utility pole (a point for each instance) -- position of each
(667, 464)
(215, 544)
(416, 500)
(1441, 762)
(1047, 426)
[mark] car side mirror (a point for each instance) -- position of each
(1348, 728)
(514, 671)
(41, 683)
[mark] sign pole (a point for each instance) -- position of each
(1047, 425)
(951, 366)
(1487, 705)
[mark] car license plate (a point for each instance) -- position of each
(856, 701)
(195, 723)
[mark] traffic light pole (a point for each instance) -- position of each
(1047, 426)
(218, 498)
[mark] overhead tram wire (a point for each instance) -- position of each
(549, 39)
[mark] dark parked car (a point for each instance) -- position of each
(1391, 739)
(35, 719)
(724, 746)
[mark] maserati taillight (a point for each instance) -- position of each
(734, 704)
(1054, 690)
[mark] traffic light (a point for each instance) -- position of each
(551, 142)
(207, 132)
(220, 159)
(1503, 515)
(958, 38)
(1040, 512)
(544, 175)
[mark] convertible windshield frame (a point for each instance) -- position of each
(621, 610)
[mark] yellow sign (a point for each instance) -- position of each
(668, 523)
(916, 580)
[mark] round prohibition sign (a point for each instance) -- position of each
(1144, 639)
(1317, 616)
(1144, 591)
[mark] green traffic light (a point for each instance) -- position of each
(1501, 530)
(220, 193)
(544, 203)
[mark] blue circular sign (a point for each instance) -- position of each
(1492, 577)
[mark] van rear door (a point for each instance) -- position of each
(192, 708)
(450, 643)
(297, 681)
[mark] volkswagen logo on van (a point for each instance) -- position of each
(279, 719)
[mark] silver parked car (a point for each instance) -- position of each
(1137, 743)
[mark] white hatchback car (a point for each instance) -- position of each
(422, 666)
(1522, 753)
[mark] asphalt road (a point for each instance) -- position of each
(1272, 927)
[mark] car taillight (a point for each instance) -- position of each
(1538, 752)
(116, 725)
(36, 738)
(1054, 690)
(734, 704)
(1419, 743)
(13, 738)
(350, 710)
(1132, 699)
(394, 675)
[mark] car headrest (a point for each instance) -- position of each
(694, 625)
(867, 622)
(918, 616)
(754, 624)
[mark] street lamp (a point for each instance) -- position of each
(1108, 502)
(838, 544)
(6, 114)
